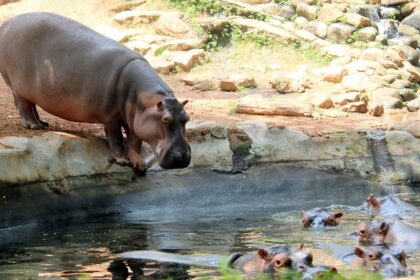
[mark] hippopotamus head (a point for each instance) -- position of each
(162, 126)
(373, 204)
(374, 233)
(273, 261)
(387, 263)
(319, 272)
(301, 259)
(320, 217)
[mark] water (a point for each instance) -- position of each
(386, 27)
(199, 216)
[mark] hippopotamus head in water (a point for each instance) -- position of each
(163, 128)
(389, 264)
(320, 217)
(263, 261)
(373, 233)
(373, 204)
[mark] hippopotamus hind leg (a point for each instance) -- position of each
(28, 113)
(116, 143)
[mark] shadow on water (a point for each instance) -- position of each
(199, 213)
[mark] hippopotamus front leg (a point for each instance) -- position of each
(28, 113)
(116, 143)
(134, 145)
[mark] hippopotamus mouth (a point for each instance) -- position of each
(177, 157)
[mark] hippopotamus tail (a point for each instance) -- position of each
(233, 258)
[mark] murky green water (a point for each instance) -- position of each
(229, 216)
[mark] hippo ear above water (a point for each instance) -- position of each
(359, 252)
(263, 254)
(338, 215)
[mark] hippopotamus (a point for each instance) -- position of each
(79, 75)
(387, 263)
(390, 205)
(262, 261)
(320, 217)
(391, 233)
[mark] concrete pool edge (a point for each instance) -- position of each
(55, 156)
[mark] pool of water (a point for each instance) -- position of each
(199, 214)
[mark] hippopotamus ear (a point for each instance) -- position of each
(338, 215)
(301, 246)
(373, 200)
(263, 254)
(359, 252)
(160, 106)
(383, 228)
(184, 102)
(402, 256)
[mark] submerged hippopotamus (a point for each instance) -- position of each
(79, 75)
(390, 205)
(293, 257)
(262, 261)
(392, 233)
(320, 217)
(387, 263)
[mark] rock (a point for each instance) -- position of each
(177, 45)
(160, 64)
(289, 82)
(401, 84)
(318, 28)
(258, 105)
(236, 81)
(376, 110)
(373, 54)
(54, 156)
(357, 66)
(413, 105)
(355, 107)
(411, 125)
(320, 100)
(391, 103)
(138, 46)
(406, 9)
(393, 56)
(334, 74)
(381, 39)
(170, 24)
(331, 12)
(413, 20)
(306, 11)
(344, 98)
(367, 34)
(246, 24)
(337, 50)
(127, 5)
(136, 16)
(387, 63)
(4, 2)
(301, 23)
(305, 35)
(356, 82)
(208, 85)
(393, 2)
(408, 53)
(407, 94)
(357, 20)
(286, 11)
(340, 61)
(254, 2)
(405, 40)
(413, 71)
(113, 33)
(321, 43)
(190, 79)
(185, 60)
(408, 30)
(339, 32)
(388, 12)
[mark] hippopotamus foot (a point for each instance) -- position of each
(134, 145)
(28, 113)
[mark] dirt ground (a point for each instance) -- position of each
(203, 106)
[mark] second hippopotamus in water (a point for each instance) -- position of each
(390, 205)
(388, 263)
(319, 217)
(392, 233)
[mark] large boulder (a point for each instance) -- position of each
(339, 32)
(357, 20)
(307, 11)
(331, 12)
(413, 20)
(171, 24)
(289, 82)
(367, 34)
(318, 28)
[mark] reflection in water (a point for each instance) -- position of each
(217, 219)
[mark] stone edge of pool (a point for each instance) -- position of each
(56, 156)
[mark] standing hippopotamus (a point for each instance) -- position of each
(390, 205)
(320, 217)
(387, 263)
(392, 233)
(79, 75)
(262, 261)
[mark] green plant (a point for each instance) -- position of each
(353, 38)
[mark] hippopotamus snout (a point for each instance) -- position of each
(177, 158)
